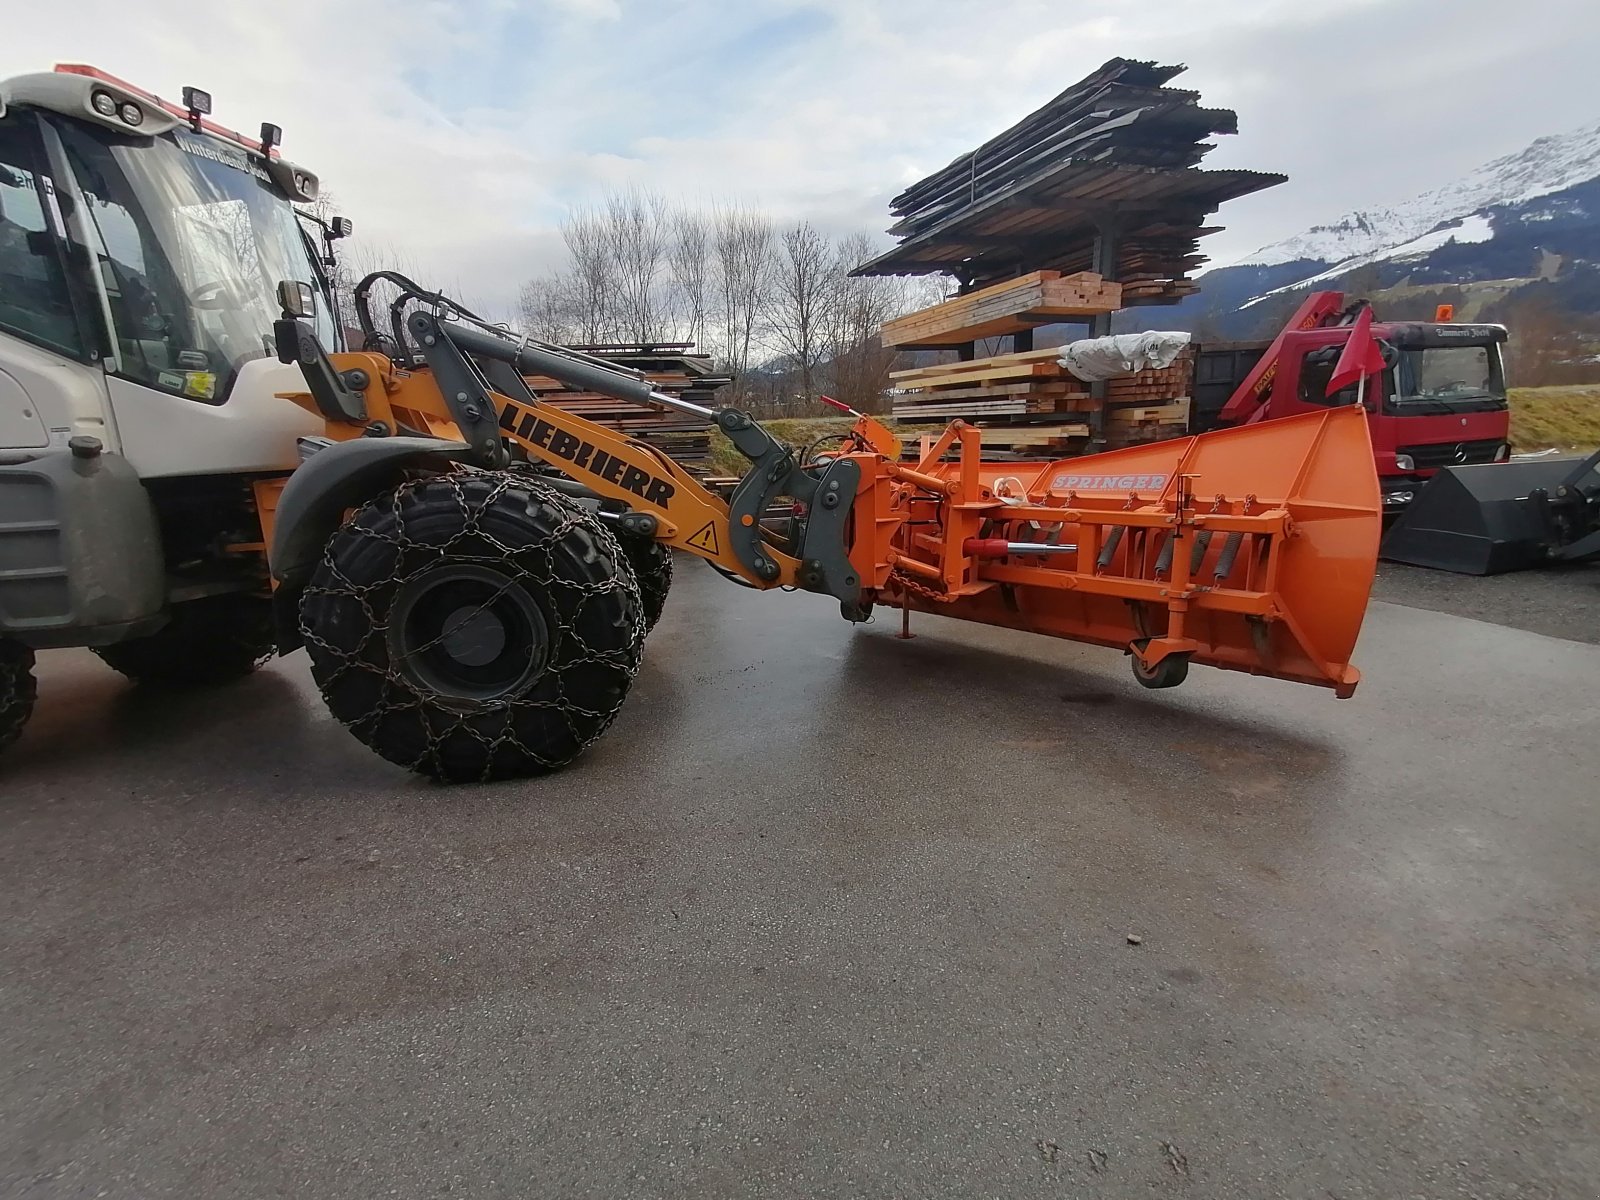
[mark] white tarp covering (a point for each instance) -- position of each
(1094, 359)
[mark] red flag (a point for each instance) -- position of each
(1361, 356)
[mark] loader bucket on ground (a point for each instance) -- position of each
(1250, 549)
(1479, 520)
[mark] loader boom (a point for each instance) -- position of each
(453, 399)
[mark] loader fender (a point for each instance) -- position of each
(322, 489)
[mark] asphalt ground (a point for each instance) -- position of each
(825, 914)
(1561, 602)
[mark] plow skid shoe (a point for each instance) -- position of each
(1479, 520)
(1250, 549)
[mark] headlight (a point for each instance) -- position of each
(131, 113)
(1503, 453)
(104, 103)
(1404, 462)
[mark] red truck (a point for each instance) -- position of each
(1440, 401)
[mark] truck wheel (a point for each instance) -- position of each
(17, 690)
(212, 640)
(652, 566)
(473, 627)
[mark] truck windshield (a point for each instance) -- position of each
(1441, 374)
(192, 238)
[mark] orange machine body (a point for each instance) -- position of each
(1250, 549)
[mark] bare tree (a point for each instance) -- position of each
(805, 278)
(742, 265)
(689, 264)
(592, 281)
(637, 231)
(860, 364)
(546, 309)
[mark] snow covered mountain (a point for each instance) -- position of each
(1528, 220)
(1551, 164)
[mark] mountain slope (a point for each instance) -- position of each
(1527, 220)
(1550, 164)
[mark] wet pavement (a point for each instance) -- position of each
(826, 913)
(1562, 602)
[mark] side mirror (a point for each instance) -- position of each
(296, 298)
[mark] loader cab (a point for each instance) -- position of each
(140, 248)
(1440, 400)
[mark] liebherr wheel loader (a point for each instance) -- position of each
(472, 570)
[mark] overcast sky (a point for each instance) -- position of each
(460, 130)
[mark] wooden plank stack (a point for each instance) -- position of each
(1027, 405)
(1149, 406)
(672, 369)
(1119, 147)
(1030, 406)
(1038, 298)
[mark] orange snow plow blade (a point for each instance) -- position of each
(1251, 549)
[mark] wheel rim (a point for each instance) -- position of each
(468, 633)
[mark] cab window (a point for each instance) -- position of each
(1315, 372)
(34, 301)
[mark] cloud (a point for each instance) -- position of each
(459, 131)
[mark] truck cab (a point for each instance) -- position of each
(1440, 400)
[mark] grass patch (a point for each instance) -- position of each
(1567, 418)
(797, 431)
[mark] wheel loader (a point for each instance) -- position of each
(472, 570)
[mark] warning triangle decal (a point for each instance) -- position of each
(706, 539)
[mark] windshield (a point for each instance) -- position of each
(192, 239)
(1446, 373)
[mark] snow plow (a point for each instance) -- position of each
(472, 570)
(1494, 518)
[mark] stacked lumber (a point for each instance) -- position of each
(1027, 405)
(671, 369)
(1038, 298)
(1030, 406)
(1117, 148)
(1149, 406)
(1152, 289)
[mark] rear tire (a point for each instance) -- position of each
(216, 639)
(17, 690)
(652, 566)
(474, 627)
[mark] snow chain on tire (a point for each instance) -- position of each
(17, 690)
(652, 566)
(496, 549)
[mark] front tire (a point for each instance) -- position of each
(474, 627)
(213, 640)
(652, 566)
(17, 690)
